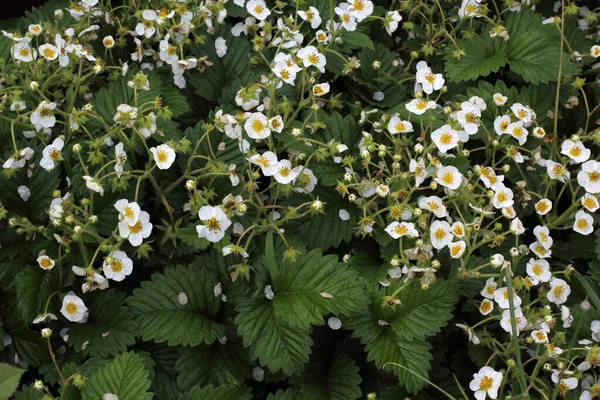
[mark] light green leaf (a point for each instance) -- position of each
(483, 55)
(9, 379)
(338, 380)
(277, 344)
(110, 327)
(124, 376)
(316, 285)
(161, 315)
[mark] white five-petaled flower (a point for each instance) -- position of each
(73, 308)
(503, 196)
(22, 51)
(542, 234)
(216, 223)
(445, 138)
(440, 234)
(543, 207)
(257, 126)
(48, 51)
(258, 9)
(51, 154)
(285, 173)
(398, 229)
(18, 160)
(433, 204)
(502, 299)
(419, 106)
(348, 19)
(360, 9)
(93, 184)
(117, 266)
(500, 99)
(43, 116)
(320, 89)
(449, 177)
(590, 202)
(267, 162)
(396, 125)
(427, 80)
(584, 223)
(128, 211)
(45, 262)
(121, 158)
(538, 270)
(391, 20)
(559, 291)
(306, 181)
(520, 320)
(489, 288)
(311, 15)
(146, 27)
(486, 382)
(469, 8)
(137, 232)
(576, 151)
(164, 156)
(518, 131)
(311, 56)
(589, 176)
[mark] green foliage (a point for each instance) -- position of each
(220, 393)
(34, 286)
(483, 55)
(9, 379)
(338, 380)
(162, 317)
(124, 376)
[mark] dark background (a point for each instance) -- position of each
(17, 8)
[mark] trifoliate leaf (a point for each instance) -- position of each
(219, 393)
(178, 306)
(277, 344)
(216, 364)
(109, 329)
(125, 376)
(316, 285)
(34, 286)
(9, 379)
(337, 380)
(483, 55)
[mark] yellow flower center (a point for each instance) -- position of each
(433, 205)
(558, 291)
(446, 138)
(582, 224)
(257, 126)
(504, 125)
(471, 118)
(128, 212)
(502, 197)
(575, 151)
(45, 112)
(71, 308)
(448, 178)
(161, 155)
(485, 306)
(258, 9)
(421, 104)
(285, 74)
(54, 154)
(45, 263)
(455, 250)
(542, 206)
(136, 228)
(537, 269)
(285, 171)
(24, 51)
(117, 266)
(589, 203)
(48, 53)
(400, 230)
(263, 161)
(313, 58)
(439, 233)
(213, 224)
(594, 176)
(486, 383)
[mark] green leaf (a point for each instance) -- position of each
(219, 393)
(29, 393)
(338, 380)
(533, 50)
(483, 55)
(189, 236)
(313, 286)
(162, 317)
(277, 344)
(216, 364)
(124, 376)
(359, 39)
(110, 327)
(289, 394)
(9, 380)
(34, 286)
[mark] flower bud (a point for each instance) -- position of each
(38, 385)
(435, 264)
(76, 148)
(46, 333)
(190, 185)
(376, 65)
(34, 85)
(497, 260)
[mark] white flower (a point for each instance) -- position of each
(419, 106)
(595, 51)
(398, 229)
(73, 308)
(396, 125)
(382, 190)
(24, 192)
(360, 9)
(584, 223)
(538, 249)
(501, 297)
(500, 99)
(420, 171)
(267, 162)
(449, 177)
(427, 80)
(22, 51)
(285, 174)
(43, 117)
(589, 176)
(539, 336)
(523, 113)
(538, 270)
(559, 291)
(146, 28)
(590, 202)
(468, 117)
(108, 42)
(258, 9)
(121, 158)
(486, 306)
(128, 212)
(433, 204)
(516, 227)
(542, 234)
(311, 56)
(137, 232)
(497, 260)
(164, 156)
(45, 262)
(518, 131)
(51, 154)
(221, 46)
(486, 383)
(117, 266)
(457, 249)
(543, 207)
(348, 19)
(18, 160)
(501, 124)
(558, 171)
(306, 180)
(503, 196)
(489, 288)
(257, 126)
(312, 16)
(445, 138)
(48, 51)
(93, 185)
(216, 223)
(286, 72)
(320, 89)
(391, 20)
(576, 151)
(440, 234)
(125, 114)
(35, 29)
(595, 328)
(520, 321)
